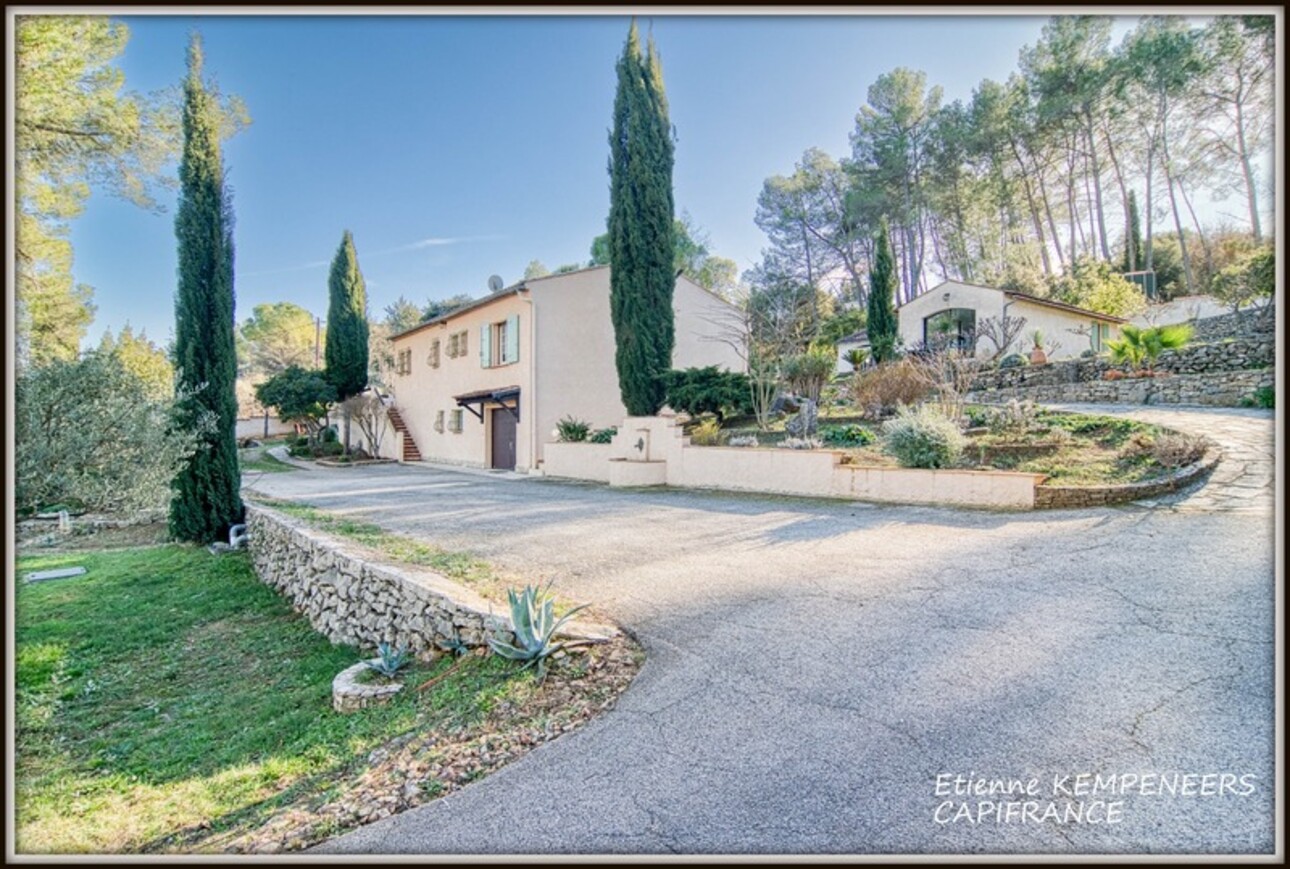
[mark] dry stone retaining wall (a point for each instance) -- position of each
(353, 599)
(1240, 355)
(1246, 324)
(1225, 389)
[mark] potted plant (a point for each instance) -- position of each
(1037, 355)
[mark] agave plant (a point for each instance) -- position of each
(391, 660)
(533, 615)
(454, 645)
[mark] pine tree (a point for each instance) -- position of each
(206, 497)
(641, 236)
(1133, 237)
(881, 323)
(345, 353)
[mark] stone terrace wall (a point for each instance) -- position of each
(1240, 355)
(1247, 324)
(1222, 389)
(353, 600)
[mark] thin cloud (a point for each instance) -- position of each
(404, 248)
(437, 242)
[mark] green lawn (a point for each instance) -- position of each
(168, 698)
(257, 459)
(458, 566)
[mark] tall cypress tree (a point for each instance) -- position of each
(347, 328)
(1133, 236)
(881, 324)
(641, 234)
(206, 498)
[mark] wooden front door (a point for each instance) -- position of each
(503, 447)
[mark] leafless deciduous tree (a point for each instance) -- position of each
(761, 340)
(949, 373)
(1000, 332)
(367, 409)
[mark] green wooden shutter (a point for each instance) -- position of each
(485, 332)
(513, 338)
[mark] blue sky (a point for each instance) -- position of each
(455, 148)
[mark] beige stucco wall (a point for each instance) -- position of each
(426, 390)
(581, 461)
(566, 365)
(665, 456)
(987, 302)
(576, 374)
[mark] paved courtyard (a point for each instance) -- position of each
(814, 666)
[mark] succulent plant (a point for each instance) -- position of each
(533, 615)
(454, 645)
(391, 660)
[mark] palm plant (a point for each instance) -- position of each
(856, 357)
(1137, 345)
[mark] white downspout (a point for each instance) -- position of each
(528, 402)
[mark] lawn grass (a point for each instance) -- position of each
(169, 698)
(258, 459)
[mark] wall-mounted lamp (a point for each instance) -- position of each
(946, 297)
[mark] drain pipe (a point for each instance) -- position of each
(237, 536)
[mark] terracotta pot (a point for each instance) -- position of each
(1038, 357)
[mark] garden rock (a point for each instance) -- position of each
(804, 423)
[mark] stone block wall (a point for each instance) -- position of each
(1247, 324)
(351, 598)
(1222, 389)
(1238, 355)
(1057, 496)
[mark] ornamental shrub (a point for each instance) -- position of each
(706, 433)
(697, 391)
(602, 435)
(571, 430)
(923, 437)
(1013, 360)
(1175, 449)
(847, 436)
(800, 443)
(878, 391)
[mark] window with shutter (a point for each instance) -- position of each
(438, 421)
(455, 425)
(512, 343)
(461, 342)
(434, 353)
(485, 350)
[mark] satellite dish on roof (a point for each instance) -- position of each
(494, 283)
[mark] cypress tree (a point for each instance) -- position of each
(206, 490)
(881, 323)
(1132, 236)
(345, 353)
(641, 231)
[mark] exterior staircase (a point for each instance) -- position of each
(410, 451)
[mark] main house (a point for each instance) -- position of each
(486, 384)
(952, 309)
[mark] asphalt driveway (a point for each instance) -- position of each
(815, 666)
